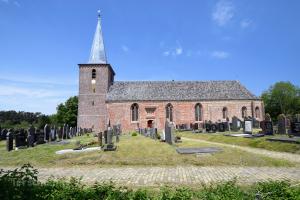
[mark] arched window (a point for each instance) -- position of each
(93, 74)
(169, 112)
(198, 112)
(134, 112)
(257, 112)
(244, 112)
(225, 113)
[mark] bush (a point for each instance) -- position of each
(23, 184)
(134, 134)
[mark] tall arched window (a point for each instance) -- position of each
(169, 112)
(257, 112)
(198, 112)
(93, 74)
(134, 112)
(225, 113)
(244, 112)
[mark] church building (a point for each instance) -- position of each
(142, 104)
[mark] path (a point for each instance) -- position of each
(273, 154)
(181, 175)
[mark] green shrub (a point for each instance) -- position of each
(134, 134)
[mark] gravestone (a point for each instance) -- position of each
(52, 134)
(255, 123)
(46, 132)
(105, 137)
(22, 138)
(281, 124)
(30, 137)
(3, 134)
(247, 126)
(222, 127)
(208, 127)
(268, 128)
(9, 141)
(17, 138)
(236, 124)
(100, 139)
(213, 128)
(169, 132)
(70, 132)
(295, 125)
(64, 131)
(40, 137)
(110, 145)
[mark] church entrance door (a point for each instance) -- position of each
(149, 123)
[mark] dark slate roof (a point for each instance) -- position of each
(178, 91)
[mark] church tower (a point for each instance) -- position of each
(95, 78)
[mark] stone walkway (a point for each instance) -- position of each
(273, 154)
(181, 175)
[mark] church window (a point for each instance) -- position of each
(134, 112)
(244, 112)
(225, 113)
(93, 74)
(169, 112)
(198, 112)
(257, 112)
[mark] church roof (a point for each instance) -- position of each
(178, 91)
(97, 55)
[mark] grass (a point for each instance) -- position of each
(132, 151)
(250, 142)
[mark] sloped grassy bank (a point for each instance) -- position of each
(23, 184)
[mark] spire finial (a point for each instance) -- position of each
(99, 13)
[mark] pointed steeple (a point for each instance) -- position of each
(97, 55)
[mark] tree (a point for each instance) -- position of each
(282, 98)
(67, 112)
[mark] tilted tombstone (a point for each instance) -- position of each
(295, 125)
(248, 126)
(281, 124)
(9, 140)
(46, 132)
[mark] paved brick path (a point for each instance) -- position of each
(273, 154)
(185, 175)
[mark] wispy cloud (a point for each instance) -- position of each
(4, 1)
(174, 51)
(220, 54)
(125, 48)
(223, 12)
(16, 3)
(245, 23)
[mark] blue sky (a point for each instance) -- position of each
(41, 42)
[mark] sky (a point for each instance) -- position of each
(42, 42)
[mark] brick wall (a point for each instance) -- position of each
(183, 112)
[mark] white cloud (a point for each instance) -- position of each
(17, 4)
(245, 23)
(220, 54)
(124, 48)
(4, 1)
(223, 12)
(175, 51)
(166, 53)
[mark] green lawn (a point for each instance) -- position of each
(132, 151)
(250, 142)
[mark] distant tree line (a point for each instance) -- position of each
(282, 98)
(66, 113)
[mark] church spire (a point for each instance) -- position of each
(97, 55)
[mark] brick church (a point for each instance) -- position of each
(142, 104)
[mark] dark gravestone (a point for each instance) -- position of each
(40, 137)
(100, 139)
(222, 127)
(208, 127)
(282, 124)
(64, 131)
(268, 128)
(17, 138)
(255, 123)
(30, 137)
(248, 126)
(53, 134)
(110, 145)
(105, 137)
(214, 128)
(236, 124)
(9, 141)
(295, 128)
(168, 132)
(60, 133)
(3, 134)
(46, 132)
(22, 138)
